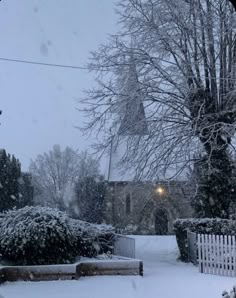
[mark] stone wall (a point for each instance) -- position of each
(152, 207)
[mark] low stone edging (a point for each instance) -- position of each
(71, 271)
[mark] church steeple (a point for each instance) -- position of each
(133, 120)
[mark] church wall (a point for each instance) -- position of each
(145, 201)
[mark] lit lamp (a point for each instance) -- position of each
(160, 190)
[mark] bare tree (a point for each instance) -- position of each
(184, 52)
(55, 173)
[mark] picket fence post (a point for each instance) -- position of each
(217, 254)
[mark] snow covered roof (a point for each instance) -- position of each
(115, 171)
(119, 172)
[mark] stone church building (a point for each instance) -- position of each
(140, 207)
(146, 207)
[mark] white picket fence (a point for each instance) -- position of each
(217, 254)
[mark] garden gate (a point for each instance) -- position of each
(192, 247)
(124, 246)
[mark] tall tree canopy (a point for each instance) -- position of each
(16, 190)
(184, 52)
(55, 173)
(89, 197)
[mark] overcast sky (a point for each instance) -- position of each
(39, 102)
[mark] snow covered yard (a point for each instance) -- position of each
(164, 276)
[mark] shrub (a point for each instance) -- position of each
(130, 229)
(36, 235)
(93, 239)
(40, 235)
(232, 293)
(215, 226)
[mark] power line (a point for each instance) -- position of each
(73, 66)
(43, 64)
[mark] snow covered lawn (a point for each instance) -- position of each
(163, 277)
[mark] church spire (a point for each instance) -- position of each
(133, 119)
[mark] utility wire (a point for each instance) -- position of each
(74, 66)
(43, 64)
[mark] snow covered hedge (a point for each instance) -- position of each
(214, 226)
(41, 235)
(36, 235)
(93, 239)
(130, 229)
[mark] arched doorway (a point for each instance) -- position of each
(161, 222)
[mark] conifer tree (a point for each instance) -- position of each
(26, 190)
(90, 193)
(10, 172)
(215, 187)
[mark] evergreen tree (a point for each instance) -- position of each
(26, 190)
(215, 175)
(10, 172)
(90, 193)
(215, 187)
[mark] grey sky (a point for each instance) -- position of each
(39, 102)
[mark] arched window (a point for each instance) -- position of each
(128, 204)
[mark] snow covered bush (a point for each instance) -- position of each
(215, 226)
(93, 239)
(130, 229)
(42, 235)
(36, 235)
(232, 293)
